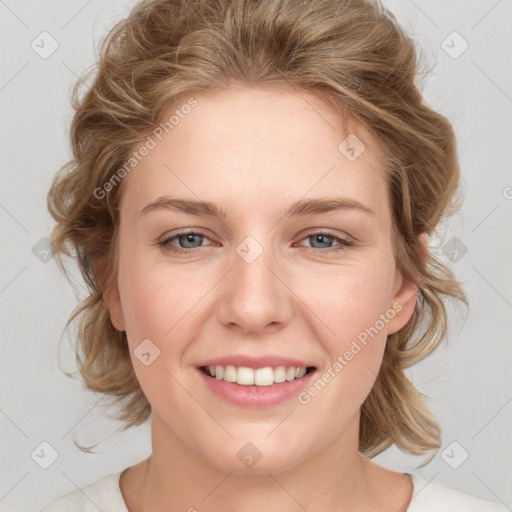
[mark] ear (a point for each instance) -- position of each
(406, 294)
(111, 297)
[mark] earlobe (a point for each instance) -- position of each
(406, 296)
(404, 303)
(112, 299)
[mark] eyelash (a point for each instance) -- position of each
(166, 244)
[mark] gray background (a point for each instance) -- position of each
(468, 381)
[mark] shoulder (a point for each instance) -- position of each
(432, 497)
(104, 494)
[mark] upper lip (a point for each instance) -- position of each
(255, 362)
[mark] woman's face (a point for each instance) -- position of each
(280, 278)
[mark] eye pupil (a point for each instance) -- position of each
(322, 239)
(189, 239)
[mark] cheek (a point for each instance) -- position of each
(161, 302)
(356, 305)
(145, 305)
(155, 308)
(350, 300)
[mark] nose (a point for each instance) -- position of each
(254, 296)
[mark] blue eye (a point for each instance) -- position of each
(187, 239)
(324, 238)
(190, 242)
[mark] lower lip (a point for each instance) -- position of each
(256, 396)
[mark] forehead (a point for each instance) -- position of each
(252, 145)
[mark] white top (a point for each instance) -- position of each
(105, 494)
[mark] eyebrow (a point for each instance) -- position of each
(301, 207)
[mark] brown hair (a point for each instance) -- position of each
(354, 55)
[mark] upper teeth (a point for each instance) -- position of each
(259, 377)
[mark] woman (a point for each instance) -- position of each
(250, 199)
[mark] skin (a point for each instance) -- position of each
(254, 151)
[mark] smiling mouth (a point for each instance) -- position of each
(266, 376)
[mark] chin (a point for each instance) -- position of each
(243, 457)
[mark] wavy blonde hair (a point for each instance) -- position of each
(354, 55)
